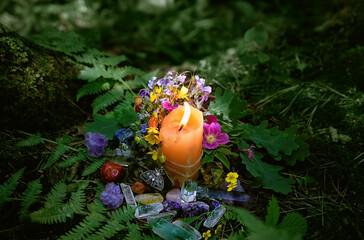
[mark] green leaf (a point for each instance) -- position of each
(108, 98)
(248, 219)
(257, 34)
(223, 159)
(222, 103)
(94, 87)
(126, 114)
(237, 107)
(227, 151)
(266, 175)
(104, 126)
(208, 158)
(91, 74)
(30, 196)
(273, 212)
(301, 153)
(93, 167)
(262, 57)
(294, 224)
(273, 140)
(6, 189)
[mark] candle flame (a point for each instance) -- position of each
(186, 116)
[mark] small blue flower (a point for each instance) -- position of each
(125, 135)
(144, 127)
(216, 204)
(151, 82)
(144, 93)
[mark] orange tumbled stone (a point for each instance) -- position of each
(138, 188)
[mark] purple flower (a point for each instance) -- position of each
(151, 82)
(162, 81)
(250, 151)
(95, 143)
(111, 197)
(181, 78)
(144, 93)
(144, 127)
(206, 91)
(163, 100)
(167, 92)
(212, 136)
(169, 107)
(200, 82)
(216, 204)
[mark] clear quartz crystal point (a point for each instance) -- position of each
(215, 217)
(188, 191)
(169, 231)
(169, 216)
(228, 198)
(148, 210)
(189, 228)
(128, 194)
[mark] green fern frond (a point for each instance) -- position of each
(94, 56)
(56, 196)
(60, 150)
(89, 225)
(124, 214)
(108, 230)
(56, 214)
(134, 232)
(6, 189)
(78, 199)
(81, 156)
(121, 73)
(93, 167)
(30, 196)
(108, 98)
(32, 140)
(95, 87)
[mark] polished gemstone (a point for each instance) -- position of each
(149, 198)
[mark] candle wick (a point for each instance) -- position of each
(180, 128)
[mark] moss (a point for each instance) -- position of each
(36, 84)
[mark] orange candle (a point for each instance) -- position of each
(181, 134)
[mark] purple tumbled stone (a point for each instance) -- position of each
(174, 195)
(238, 187)
(194, 209)
(171, 206)
(112, 197)
(95, 143)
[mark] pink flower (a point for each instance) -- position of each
(211, 118)
(169, 107)
(250, 151)
(212, 136)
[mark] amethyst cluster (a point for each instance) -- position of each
(194, 209)
(95, 143)
(171, 206)
(112, 197)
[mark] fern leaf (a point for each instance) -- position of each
(60, 150)
(134, 232)
(121, 73)
(91, 222)
(56, 196)
(81, 156)
(29, 197)
(93, 167)
(56, 214)
(95, 87)
(108, 98)
(32, 140)
(78, 199)
(6, 189)
(124, 214)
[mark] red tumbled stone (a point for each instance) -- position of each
(111, 172)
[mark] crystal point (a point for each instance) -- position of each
(188, 191)
(128, 194)
(215, 217)
(189, 228)
(148, 210)
(169, 231)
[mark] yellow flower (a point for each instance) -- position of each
(137, 139)
(231, 177)
(154, 154)
(231, 186)
(207, 234)
(153, 96)
(155, 114)
(153, 136)
(183, 93)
